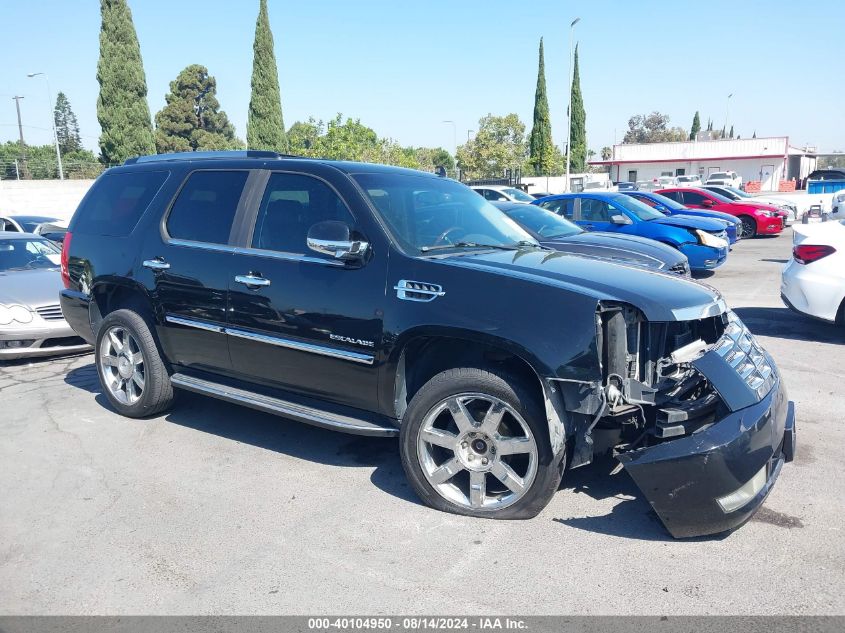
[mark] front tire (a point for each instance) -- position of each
(476, 443)
(131, 370)
(749, 227)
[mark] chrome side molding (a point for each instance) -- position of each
(333, 352)
(277, 406)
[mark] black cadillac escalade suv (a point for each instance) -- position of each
(384, 301)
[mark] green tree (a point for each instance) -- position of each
(304, 137)
(122, 108)
(696, 127)
(192, 119)
(67, 127)
(606, 153)
(731, 133)
(653, 128)
(499, 145)
(265, 128)
(541, 145)
(578, 131)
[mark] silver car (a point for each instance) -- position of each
(31, 320)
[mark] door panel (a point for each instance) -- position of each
(314, 328)
(188, 265)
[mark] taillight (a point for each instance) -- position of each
(65, 255)
(807, 253)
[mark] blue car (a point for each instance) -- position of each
(670, 207)
(703, 240)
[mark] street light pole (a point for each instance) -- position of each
(569, 109)
(17, 101)
(727, 108)
(52, 122)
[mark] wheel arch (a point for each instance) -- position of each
(115, 294)
(423, 352)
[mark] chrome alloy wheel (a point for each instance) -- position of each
(476, 451)
(122, 365)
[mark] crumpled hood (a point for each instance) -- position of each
(661, 296)
(31, 288)
(689, 222)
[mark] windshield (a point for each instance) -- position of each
(688, 178)
(541, 222)
(640, 209)
(720, 175)
(423, 212)
(518, 194)
(28, 255)
(656, 198)
(738, 192)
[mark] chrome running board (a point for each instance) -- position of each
(277, 406)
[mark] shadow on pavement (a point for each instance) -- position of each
(631, 518)
(275, 433)
(784, 323)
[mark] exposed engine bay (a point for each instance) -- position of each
(653, 390)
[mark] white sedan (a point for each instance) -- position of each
(837, 205)
(813, 282)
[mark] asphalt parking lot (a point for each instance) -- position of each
(217, 509)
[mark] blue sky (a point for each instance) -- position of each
(404, 67)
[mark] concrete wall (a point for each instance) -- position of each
(769, 170)
(557, 184)
(57, 198)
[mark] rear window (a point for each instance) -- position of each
(205, 208)
(116, 203)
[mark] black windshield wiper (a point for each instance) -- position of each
(440, 247)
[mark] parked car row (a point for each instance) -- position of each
(498, 344)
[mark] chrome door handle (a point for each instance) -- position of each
(251, 281)
(156, 264)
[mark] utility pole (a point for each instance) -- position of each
(17, 101)
(52, 122)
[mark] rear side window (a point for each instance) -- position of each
(563, 207)
(693, 197)
(117, 202)
(206, 206)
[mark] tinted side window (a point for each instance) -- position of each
(674, 195)
(292, 204)
(563, 207)
(645, 200)
(693, 197)
(116, 203)
(206, 205)
(594, 210)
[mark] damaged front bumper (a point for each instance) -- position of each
(714, 480)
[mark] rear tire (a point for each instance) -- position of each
(129, 364)
(476, 443)
(749, 227)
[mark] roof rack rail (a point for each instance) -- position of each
(211, 155)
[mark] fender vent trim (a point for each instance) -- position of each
(418, 290)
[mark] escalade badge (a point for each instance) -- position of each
(354, 341)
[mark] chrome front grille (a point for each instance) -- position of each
(51, 312)
(739, 349)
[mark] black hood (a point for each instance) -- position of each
(661, 296)
(625, 249)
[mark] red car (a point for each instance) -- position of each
(756, 218)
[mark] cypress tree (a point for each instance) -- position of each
(265, 128)
(731, 133)
(67, 127)
(541, 146)
(696, 127)
(122, 107)
(192, 119)
(578, 132)
(754, 135)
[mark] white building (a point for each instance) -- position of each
(767, 160)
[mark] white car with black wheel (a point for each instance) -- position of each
(813, 282)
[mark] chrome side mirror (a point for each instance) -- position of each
(334, 239)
